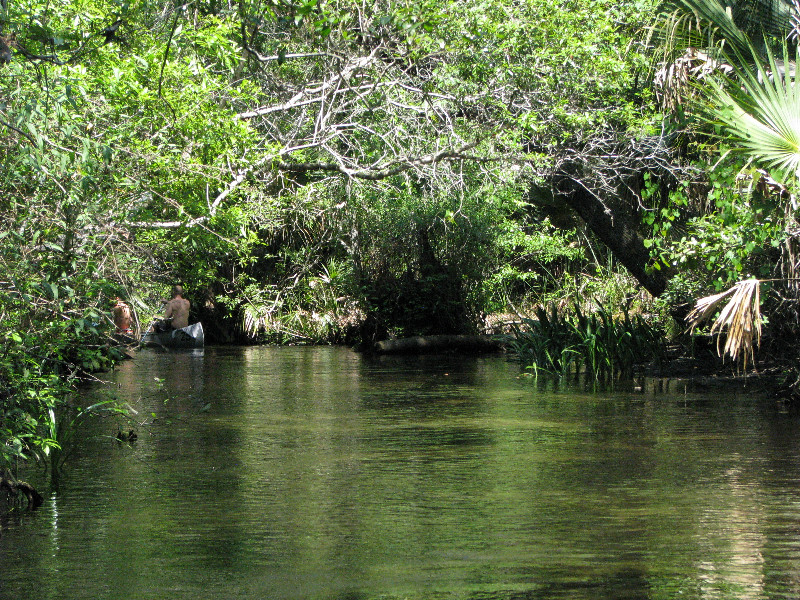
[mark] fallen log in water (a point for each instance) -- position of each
(441, 343)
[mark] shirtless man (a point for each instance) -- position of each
(177, 309)
(122, 316)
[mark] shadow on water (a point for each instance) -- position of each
(626, 584)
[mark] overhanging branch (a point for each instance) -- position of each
(375, 174)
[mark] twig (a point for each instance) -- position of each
(166, 49)
(19, 131)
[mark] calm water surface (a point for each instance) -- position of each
(316, 473)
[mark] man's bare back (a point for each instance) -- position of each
(122, 316)
(178, 309)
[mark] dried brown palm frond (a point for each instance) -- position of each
(741, 316)
(675, 82)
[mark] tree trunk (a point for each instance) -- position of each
(615, 227)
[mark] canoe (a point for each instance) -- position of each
(188, 337)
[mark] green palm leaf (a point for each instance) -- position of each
(759, 109)
(756, 102)
(698, 24)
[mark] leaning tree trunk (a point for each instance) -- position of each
(614, 225)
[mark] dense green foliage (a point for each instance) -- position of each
(736, 217)
(329, 172)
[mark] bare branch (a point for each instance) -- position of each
(300, 99)
(19, 131)
(224, 194)
(394, 168)
(280, 57)
(162, 224)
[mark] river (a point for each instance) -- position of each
(318, 473)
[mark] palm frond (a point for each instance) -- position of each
(794, 34)
(770, 17)
(676, 82)
(709, 21)
(741, 316)
(760, 109)
(692, 41)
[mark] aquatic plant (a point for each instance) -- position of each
(600, 345)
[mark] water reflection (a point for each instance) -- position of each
(318, 473)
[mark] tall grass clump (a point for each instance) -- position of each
(600, 345)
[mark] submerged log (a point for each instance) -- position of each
(441, 343)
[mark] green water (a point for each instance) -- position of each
(295, 473)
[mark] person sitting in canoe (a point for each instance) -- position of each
(176, 313)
